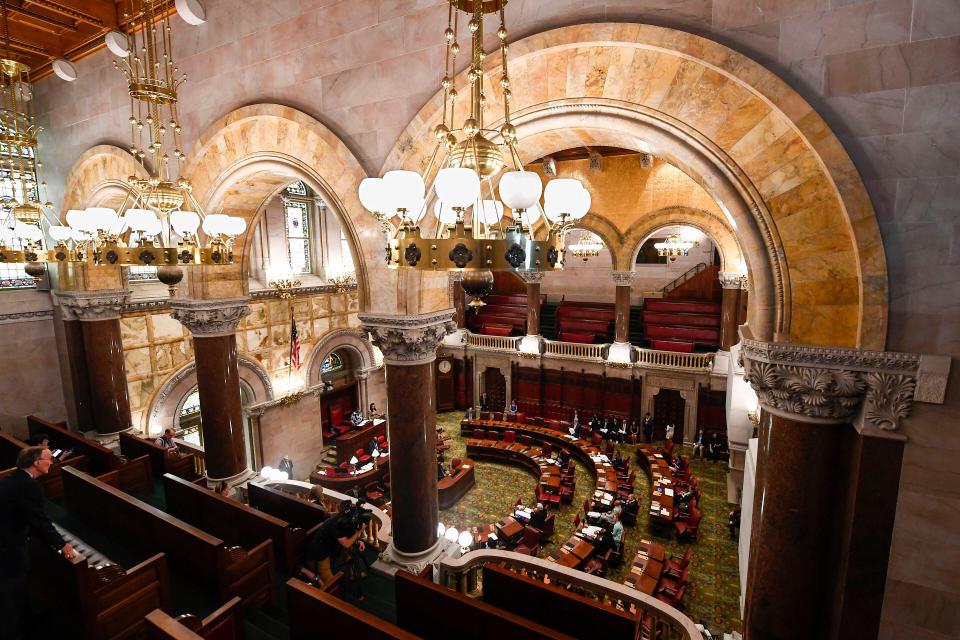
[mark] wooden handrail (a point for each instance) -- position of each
(686, 275)
(674, 359)
(672, 623)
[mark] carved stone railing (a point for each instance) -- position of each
(674, 360)
(661, 620)
(575, 350)
(379, 530)
(492, 343)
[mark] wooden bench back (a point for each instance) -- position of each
(234, 571)
(550, 605)
(437, 613)
(299, 513)
(309, 609)
(133, 476)
(10, 448)
(52, 482)
(163, 461)
(233, 521)
(99, 458)
(223, 624)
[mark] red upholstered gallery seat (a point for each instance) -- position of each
(672, 345)
(576, 336)
(496, 330)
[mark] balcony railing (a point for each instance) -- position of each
(492, 343)
(674, 360)
(660, 621)
(199, 456)
(576, 350)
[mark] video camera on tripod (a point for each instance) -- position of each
(353, 515)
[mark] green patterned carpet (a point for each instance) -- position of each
(713, 594)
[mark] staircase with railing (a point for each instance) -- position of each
(679, 280)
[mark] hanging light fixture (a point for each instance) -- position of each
(587, 246)
(160, 223)
(467, 163)
(674, 246)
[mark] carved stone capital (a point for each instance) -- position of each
(730, 280)
(90, 306)
(409, 340)
(210, 318)
(829, 385)
(531, 277)
(623, 278)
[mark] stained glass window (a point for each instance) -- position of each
(297, 189)
(14, 161)
(331, 364)
(12, 276)
(298, 235)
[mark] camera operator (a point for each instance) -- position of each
(335, 535)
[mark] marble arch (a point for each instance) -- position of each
(247, 155)
(98, 178)
(704, 221)
(165, 403)
(800, 212)
(338, 339)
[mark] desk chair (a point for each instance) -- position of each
(597, 565)
(675, 566)
(687, 529)
(530, 542)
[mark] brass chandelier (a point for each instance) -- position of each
(674, 246)
(159, 222)
(586, 247)
(469, 157)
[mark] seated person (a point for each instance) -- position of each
(513, 406)
(166, 441)
(373, 411)
(716, 446)
(631, 505)
(699, 444)
(605, 542)
(634, 432)
(470, 414)
(686, 496)
(441, 470)
(679, 465)
(538, 517)
(224, 490)
(356, 418)
(622, 434)
(373, 445)
(608, 519)
(617, 460)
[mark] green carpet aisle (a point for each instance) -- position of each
(713, 595)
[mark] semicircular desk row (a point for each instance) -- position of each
(525, 451)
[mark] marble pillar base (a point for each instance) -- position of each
(392, 559)
(530, 344)
(232, 481)
(620, 352)
(110, 440)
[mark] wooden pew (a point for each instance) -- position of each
(223, 624)
(108, 601)
(234, 521)
(52, 482)
(312, 612)
(133, 476)
(434, 612)
(163, 461)
(554, 606)
(231, 571)
(99, 458)
(299, 513)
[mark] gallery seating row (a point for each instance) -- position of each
(52, 482)
(173, 462)
(100, 459)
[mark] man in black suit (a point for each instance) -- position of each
(21, 506)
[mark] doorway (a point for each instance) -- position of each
(495, 386)
(668, 408)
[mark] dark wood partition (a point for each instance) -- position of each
(223, 624)
(555, 607)
(437, 613)
(297, 512)
(99, 458)
(163, 461)
(556, 393)
(313, 613)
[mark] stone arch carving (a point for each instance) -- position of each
(98, 178)
(266, 144)
(713, 227)
(166, 401)
(339, 338)
(795, 200)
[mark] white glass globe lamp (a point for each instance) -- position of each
(185, 223)
(457, 187)
(465, 539)
(490, 212)
(101, 218)
(451, 534)
(215, 224)
(520, 190)
(140, 219)
(372, 194)
(404, 191)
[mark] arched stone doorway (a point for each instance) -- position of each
(800, 212)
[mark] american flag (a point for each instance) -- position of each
(294, 346)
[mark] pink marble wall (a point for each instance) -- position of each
(884, 73)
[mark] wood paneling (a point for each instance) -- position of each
(557, 393)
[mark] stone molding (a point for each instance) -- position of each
(731, 280)
(91, 306)
(210, 318)
(531, 277)
(830, 385)
(623, 278)
(27, 316)
(409, 340)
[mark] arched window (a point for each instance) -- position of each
(333, 363)
(15, 161)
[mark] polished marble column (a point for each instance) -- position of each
(459, 299)
(80, 411)
(98, 313)
(213, 324)
(532, 280)
(409, 345)
(827, 482)
(729, 309)
(620, 350)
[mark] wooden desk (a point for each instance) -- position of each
(348, 442)
(565, 559)
(344, 482)
(451, 488)
(582, 549)
(509, 528)
(646, 567)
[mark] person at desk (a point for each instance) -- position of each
(470, 414)
(539, 517)
(356, 418)
(372, 445)
(441, 470)
(631, 505)
(166, 441)
(617, 460)
(617, 531)
(21, 503)
(679, 465)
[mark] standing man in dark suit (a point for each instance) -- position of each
(21, 506)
